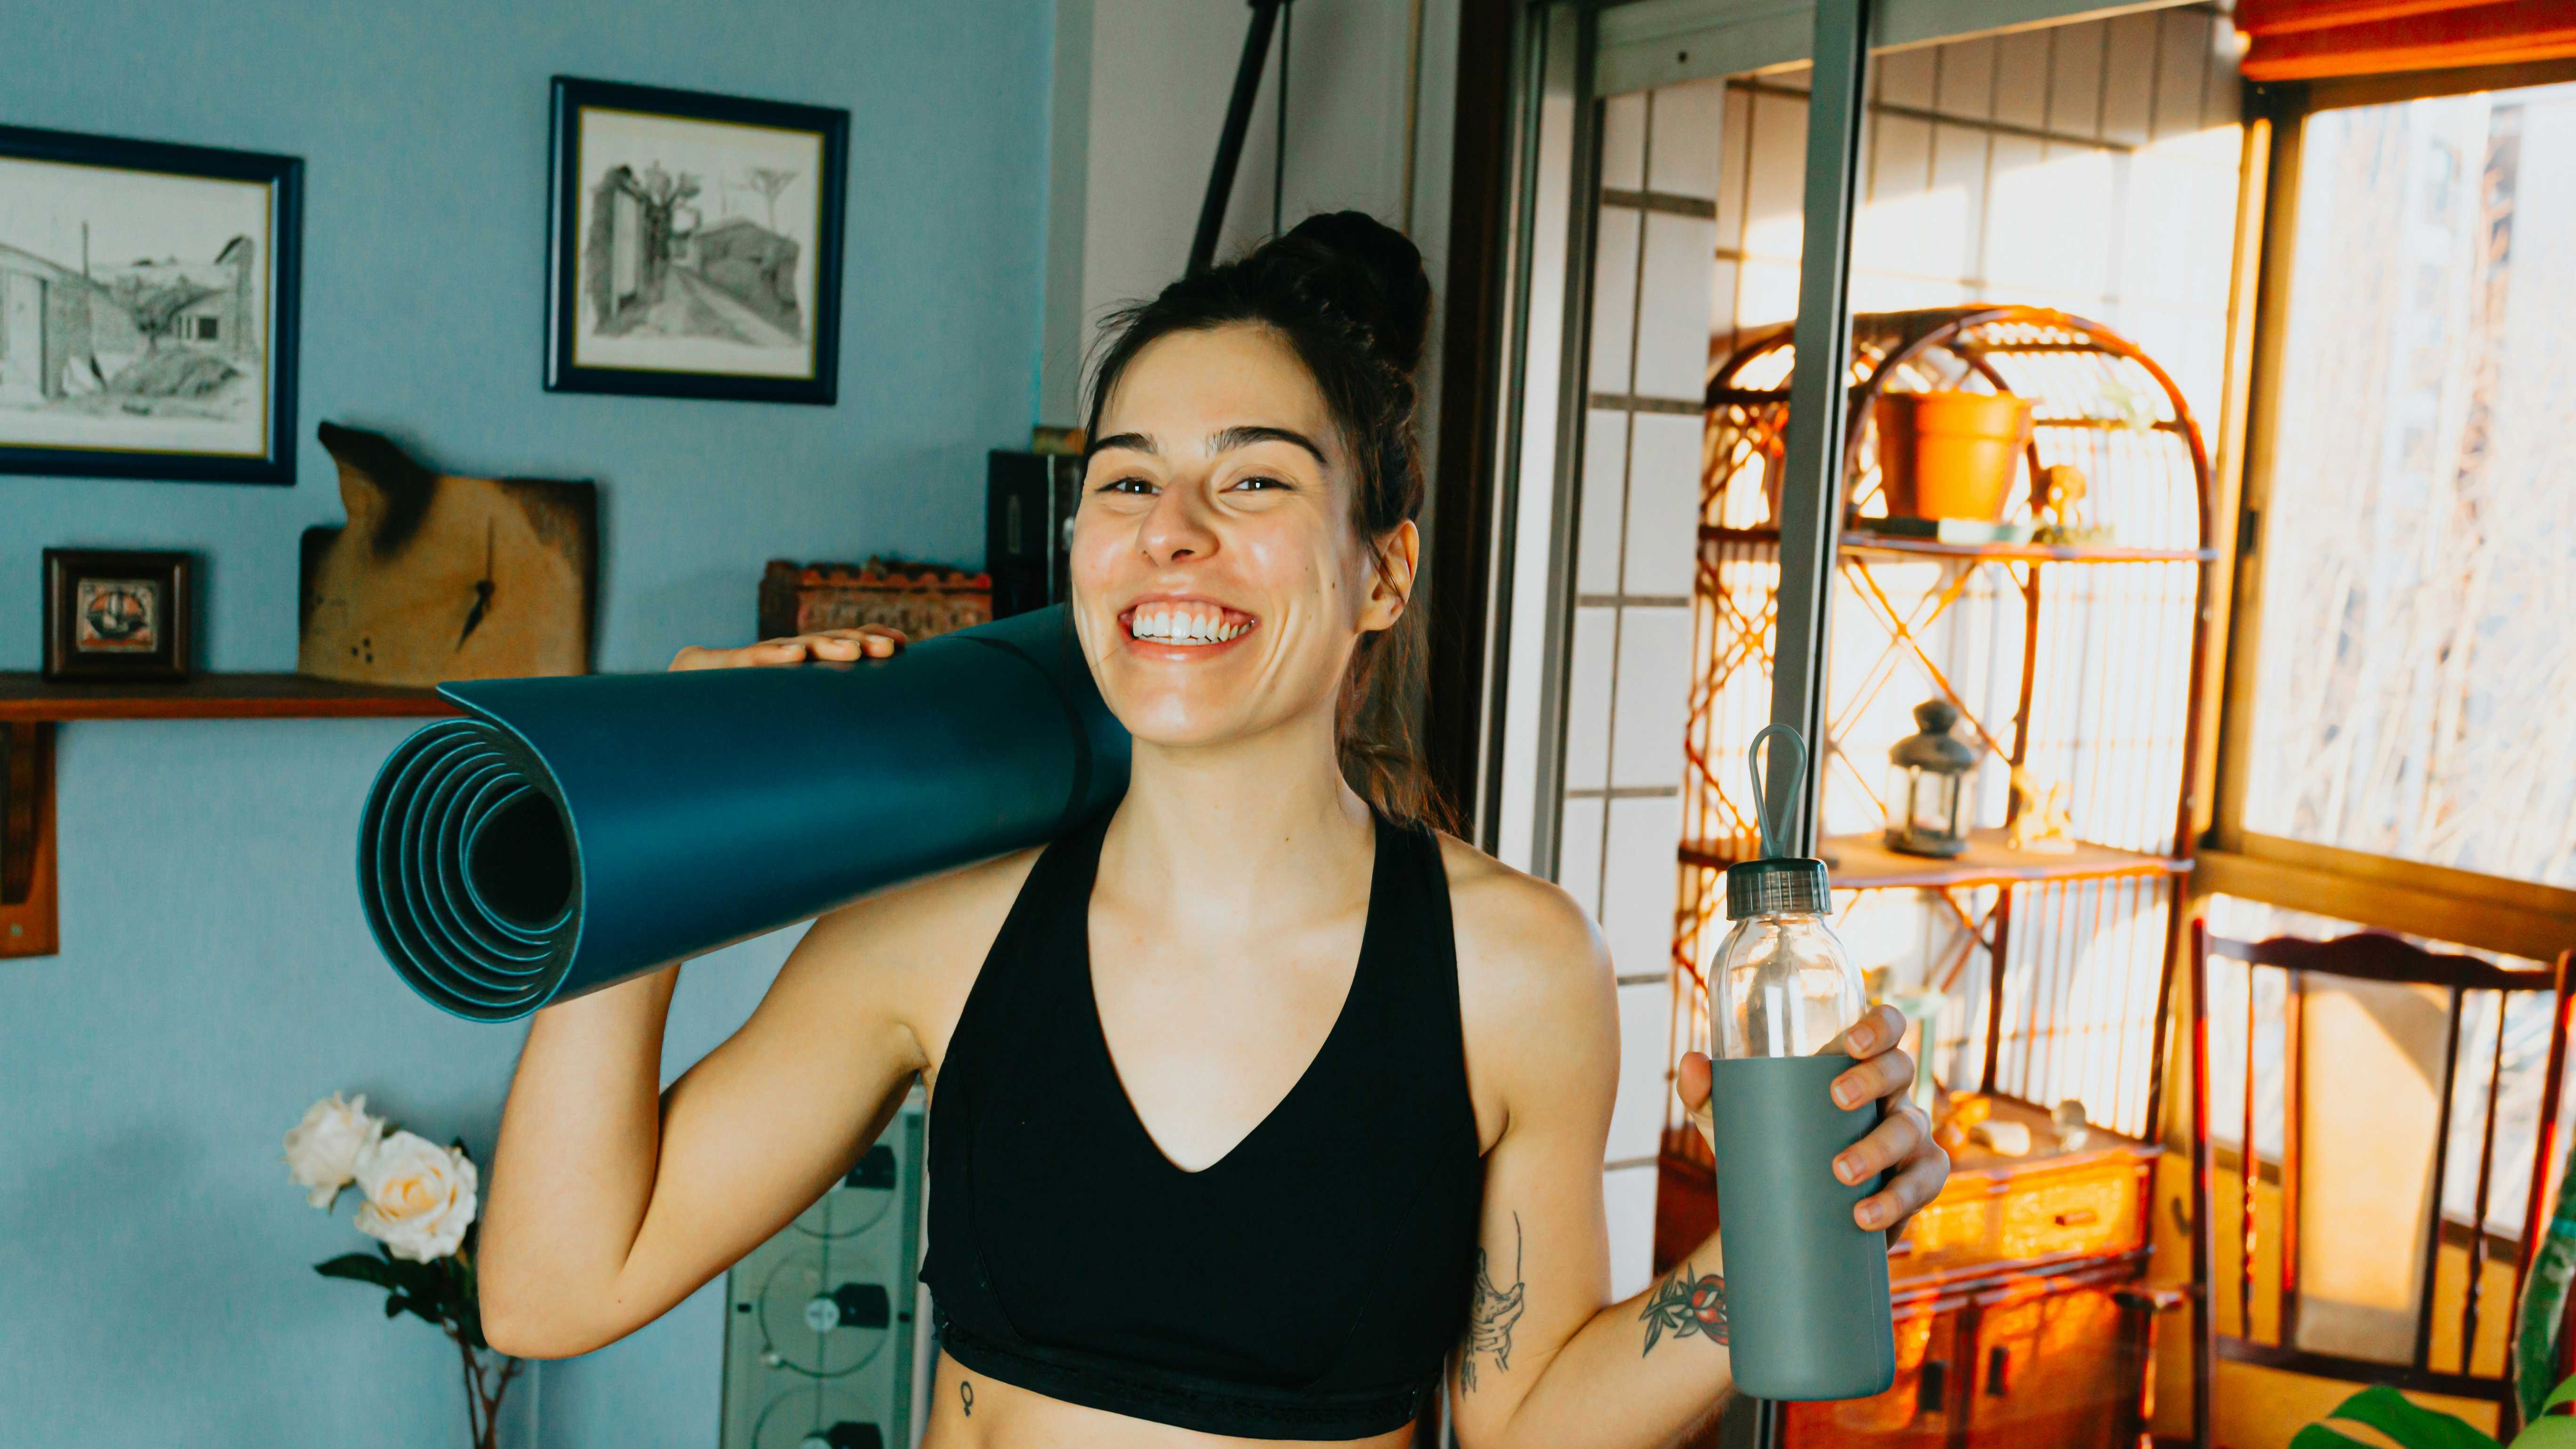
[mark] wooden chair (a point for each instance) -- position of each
(2364, 957)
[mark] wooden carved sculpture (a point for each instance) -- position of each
(437, 577)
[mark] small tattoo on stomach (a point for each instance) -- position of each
(966, 1397)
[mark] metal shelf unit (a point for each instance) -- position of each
(2073, 663)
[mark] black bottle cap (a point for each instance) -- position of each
(1780, 885)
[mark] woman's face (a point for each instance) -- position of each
(1218, 584)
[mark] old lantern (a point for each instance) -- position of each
(1923, 802)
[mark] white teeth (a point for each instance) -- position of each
(1183, 624)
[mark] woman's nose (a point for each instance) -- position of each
(1176, 528)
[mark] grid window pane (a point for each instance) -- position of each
(2419, 545)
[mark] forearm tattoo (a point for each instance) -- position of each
(1490, 1316)
(1686, 1304)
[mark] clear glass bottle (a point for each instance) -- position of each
(1780, 984)
(1806, 1286)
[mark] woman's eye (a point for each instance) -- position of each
(1261, 480)
(1126, 485)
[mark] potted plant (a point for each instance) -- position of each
(2412, 1426)
(1949, 454)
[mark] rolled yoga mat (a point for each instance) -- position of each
(574, 832)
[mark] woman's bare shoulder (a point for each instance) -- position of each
(900, 961)
(938, 925)
(1531, 964)
(1511, 924)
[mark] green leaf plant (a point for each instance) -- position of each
(2412, 1426)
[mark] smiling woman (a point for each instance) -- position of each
(1258, 1104)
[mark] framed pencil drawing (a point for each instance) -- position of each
(148, 297)
(694, 244)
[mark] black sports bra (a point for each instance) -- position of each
(1307, 1285)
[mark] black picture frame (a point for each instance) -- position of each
(752, 305)
(73, 287)
(158, 594)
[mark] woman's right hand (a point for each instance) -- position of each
(868, 641)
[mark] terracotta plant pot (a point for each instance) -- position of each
(1949, 454)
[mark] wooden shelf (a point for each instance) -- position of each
(28, 698)
(30, 921)
(1860, 542)
(1863, 862)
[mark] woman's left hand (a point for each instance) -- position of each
(1902, 1140)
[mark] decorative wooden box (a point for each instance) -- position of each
(923, 600)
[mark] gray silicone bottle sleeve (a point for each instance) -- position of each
(1806, 1287)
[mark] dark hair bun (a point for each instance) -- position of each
(1368, 273)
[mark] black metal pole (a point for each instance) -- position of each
(1229, 142)
(1279, 141)
(1811, 496)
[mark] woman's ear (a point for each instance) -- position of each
(1398, 552)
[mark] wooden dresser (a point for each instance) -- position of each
(2020, 1318)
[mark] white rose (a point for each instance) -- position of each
(420, 1196)
(322, 1152)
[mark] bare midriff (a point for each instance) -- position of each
(977, 1411)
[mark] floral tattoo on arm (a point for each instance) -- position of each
(1686, 1304)
(1490, 1316)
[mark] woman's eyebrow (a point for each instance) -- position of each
(1133, 442)
(1244, 435)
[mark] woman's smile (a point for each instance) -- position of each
(1183, 629)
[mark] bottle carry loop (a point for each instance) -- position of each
(1778, 880)
(1773, 847)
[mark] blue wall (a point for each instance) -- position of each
(215, 973)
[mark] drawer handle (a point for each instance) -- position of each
(2075, 1217)
(1932, 1389)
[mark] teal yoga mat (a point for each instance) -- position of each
(572, 833)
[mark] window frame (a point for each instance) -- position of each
(1507, 485)
(2493, 913)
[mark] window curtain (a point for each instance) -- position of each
(2316, 39)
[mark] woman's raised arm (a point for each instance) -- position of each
(611, 1200)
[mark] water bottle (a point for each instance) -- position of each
(1806, 1286)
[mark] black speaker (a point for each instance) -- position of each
(1028, 526)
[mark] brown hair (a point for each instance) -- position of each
(1349, 296)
